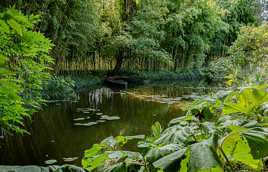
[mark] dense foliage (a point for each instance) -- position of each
(139, 35)
(251, 45)
(24, 64)
(73, 26)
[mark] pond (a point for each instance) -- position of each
(63, 130)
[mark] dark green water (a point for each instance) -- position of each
(57, 132)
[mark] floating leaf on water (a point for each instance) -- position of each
(86, 110)
(86, 124)
(100, 121)
(110, 118)
(50, 162)
(171, 102)
(79, 119)
(104, 116)
(191, 97)
(136, 137)
(99, 113)
(70, 159)
(177, 99)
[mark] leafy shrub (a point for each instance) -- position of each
(67, 87)
(250, 46)
(218, 68)
(24, 64)
(59, 88)
(86, 81)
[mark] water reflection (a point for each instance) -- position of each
(56, 135)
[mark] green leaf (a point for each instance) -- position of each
(237, 149)
(94, 162)
(203, 156)
(156, 153)
(15, 26)
(170, 161)
(184, 162)
(258, 141)
(156, 129)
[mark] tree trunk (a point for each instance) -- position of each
(119, 62)
(175, 64)
(174, 54)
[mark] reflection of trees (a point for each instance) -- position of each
(174, 90)
(96, 96)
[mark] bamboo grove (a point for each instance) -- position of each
(149, 35)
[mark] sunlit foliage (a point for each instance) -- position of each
(24, 61)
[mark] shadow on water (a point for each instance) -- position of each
(63, 130)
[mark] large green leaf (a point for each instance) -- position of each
(155, 153)
(258, 141)
(246, 101)
(237, 149)
(203, 156)
(178, 134)
(171, 161)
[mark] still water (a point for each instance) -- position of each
(63, 130)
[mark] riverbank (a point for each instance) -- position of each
(66, 86)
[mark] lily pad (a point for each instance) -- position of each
(109, 118)
(177, 99)
(86, 124)
(86, 110)
(70, 159)
(136, 137)
(79, 119)
(100, 121)
(50, 162)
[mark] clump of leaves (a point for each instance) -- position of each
(107, 155)
(247, 101)
(60, 88)
(250, 46)
(24, 65)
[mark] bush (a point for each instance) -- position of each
(24, 63)
(251, 46)
(218, 68)
(60, 88)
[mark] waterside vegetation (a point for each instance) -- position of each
(54, 49)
